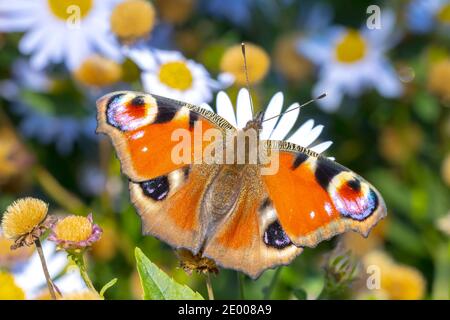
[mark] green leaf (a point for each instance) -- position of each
(158, 285)
(107, 286)
(300, 294)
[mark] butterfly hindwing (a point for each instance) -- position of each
(250, 238)
(170, 206)
(317, 198)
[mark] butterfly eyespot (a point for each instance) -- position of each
(352, 197)
(157, 188)
(128, 112)
(138, 101)
(275, 237)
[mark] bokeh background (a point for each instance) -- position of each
(387, 113)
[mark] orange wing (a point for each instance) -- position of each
(250, 238)
(170, 205)
(141, 128)
(316, 198)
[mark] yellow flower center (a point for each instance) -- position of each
(258, 63)
(22, 216)
(98, 71)
(132, 19)
(66, 9)
(9, 290)
(351, 48)
(176, 75)
(444, 14)
(73, 228)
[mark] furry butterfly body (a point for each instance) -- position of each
(232, 212)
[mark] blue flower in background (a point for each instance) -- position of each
(424, 15)
(353, 61)
(238, 12)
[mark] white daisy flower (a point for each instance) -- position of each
(60, 30)
(352, 61)
(29, 277)
(274, 129)
(424, 15)
(170, 74)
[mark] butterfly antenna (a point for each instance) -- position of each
(246, 75)
(323, 95)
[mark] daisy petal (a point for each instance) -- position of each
(312, 136)
(286, 123)
(301, 132)
(225, 108)
(273, 109)
(321, 147)
(32, 40)
(243, 108)
(16, 24)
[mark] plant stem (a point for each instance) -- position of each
(272, 284)
(240, 277)
(209, 287)
(80, 262)
(50, 284)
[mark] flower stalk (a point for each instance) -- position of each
(50, 284)
(209, 287)
(78, 257)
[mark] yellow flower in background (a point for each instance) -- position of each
(258, 63)
(397, 281)
(132, 19)
(438, 81)
(14, 158)
(443, 14)
(398, 144)
(98, 71)
(175, 11)
(291, 64)
(9, 290)
(25, 220)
